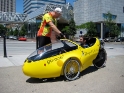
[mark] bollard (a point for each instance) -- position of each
(4, 45)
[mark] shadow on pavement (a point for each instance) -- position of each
(45, 80)
(61, 78)
(88, 70)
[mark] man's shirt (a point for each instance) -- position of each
(45, 29)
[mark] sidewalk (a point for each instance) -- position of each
(17, 60)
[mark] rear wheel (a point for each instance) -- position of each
(100, 60)
(72, 69)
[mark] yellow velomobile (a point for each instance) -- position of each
(64, 57)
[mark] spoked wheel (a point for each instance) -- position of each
(101, 58)
(72, 69)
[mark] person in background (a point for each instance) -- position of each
(48, 25)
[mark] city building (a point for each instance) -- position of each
(95, 11)
(31, 5)
(8, 5)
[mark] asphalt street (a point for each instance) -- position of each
(109, 79)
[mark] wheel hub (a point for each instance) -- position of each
(72, 69)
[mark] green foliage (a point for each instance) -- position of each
(114, 30)
(10, 32)
(90, 27)
(23, 31)
(111, 25)
(70, 29)
(15, 32)
(2, 29)
(108, 19)
(66, 30)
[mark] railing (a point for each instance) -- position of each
(12, 17)
(6, 17)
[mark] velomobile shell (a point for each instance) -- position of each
(53, 66)
(49, 67)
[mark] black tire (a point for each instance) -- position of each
(71, 69)
(101, 58)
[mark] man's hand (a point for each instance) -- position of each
(61, 36)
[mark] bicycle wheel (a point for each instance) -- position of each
(100, 60)
(72, 69)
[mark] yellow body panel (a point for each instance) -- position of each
(53, 66)
(49, 67)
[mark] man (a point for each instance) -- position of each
(83, 42)
(48, 25)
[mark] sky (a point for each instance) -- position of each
(19, 5)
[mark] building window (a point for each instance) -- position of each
(113, 17)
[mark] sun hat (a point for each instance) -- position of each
(58, 10)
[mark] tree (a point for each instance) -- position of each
(23, 31)
(90, 27)
(11, 32)
(70, 29)
(2, 29)
(15, 32)
(111, 25)
(114, 30)
(66, 30)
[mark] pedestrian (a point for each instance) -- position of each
(48, 24)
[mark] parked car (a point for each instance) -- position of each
(11, 37)
(14, 38)
(110, 39)
(120, 39)
(22, 38)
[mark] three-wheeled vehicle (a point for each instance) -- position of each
(64, 57)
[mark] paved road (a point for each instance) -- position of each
(14, 47)
(109, 79)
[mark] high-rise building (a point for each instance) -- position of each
(31, 5)
(96, 10)
(8, 5)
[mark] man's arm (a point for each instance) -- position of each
(54, 27)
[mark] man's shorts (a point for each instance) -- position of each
(43, 40)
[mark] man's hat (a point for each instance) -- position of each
(58, 10)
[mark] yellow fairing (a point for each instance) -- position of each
(50, 67)
(89, 54)
(43, 68)
(53, 66)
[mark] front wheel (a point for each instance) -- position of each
(71, 69)
(101, 58)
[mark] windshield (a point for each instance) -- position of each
(51, 49)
